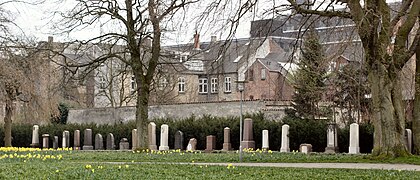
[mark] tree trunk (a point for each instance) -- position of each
(387, 114)
(416, 106)
(8, 122)
(142, 116)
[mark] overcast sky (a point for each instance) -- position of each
(34, 21)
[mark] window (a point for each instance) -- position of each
(133, 84)
(163, 82)
(228, 84)
(202, 85)
(251, 75)
(262, 74)
(102, 84)
(213, 85)
(181, 84)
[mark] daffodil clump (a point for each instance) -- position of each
(29, 154)
(175, 151)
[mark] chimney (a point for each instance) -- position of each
(196, 41)
(213, 39)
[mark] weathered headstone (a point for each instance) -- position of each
(152, 136)
(265, 142)
(179, 140)
(354, 139)
(332, 146)
(66, 139)
(409, 140)
(45, 141)
(285, 138)
(124, 145)
(110, 142)
(248, 139)
(210, 143)
(76, 140)
(55, 142)
(134, 139)
(227, 146)
(99, 142)
(192, 145)
(164, 132)
(305, 148)
(35, 136)
(87, 141)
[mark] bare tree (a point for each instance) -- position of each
(137, 43)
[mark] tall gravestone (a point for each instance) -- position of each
(76, 140)
(66, 139)
(99, 142)
(152, 136)
(285, 138)
(134, 139)
(87, 140)
(227, 146)
(164, 133)
(35, 136)
(265, 142)
(409, 140)
(179, 140)
(45, 141)
(354, 139)
(210, 143)
(332, 138)
(192, 144)
(248, 138)
(55, 142)
(110, 141)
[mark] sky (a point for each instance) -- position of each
(35, 20)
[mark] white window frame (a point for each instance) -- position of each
(228, 84)
(202, 85)
(181, 84)
(133, 85)
(214, 85)
(163, 83)
(102, 84)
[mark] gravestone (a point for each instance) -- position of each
(179, 140)
(152, 136)
(87, 141)
(134, 139)
(35, 136)
(110, 142)
(285, 138)
(99, 142)
(227, 146)
(45, 141)
(55, 142)
(66, 139)
(305, 148)
(192, 145)
(332, 145)
(124, 145)
(248, 141)
(76, 140)
(265, 142)
(164, 132)
(354, 139)
(409, 140)
(210, 143)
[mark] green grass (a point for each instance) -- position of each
(71, 170)
(96, 165)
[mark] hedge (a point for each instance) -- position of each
(301, 131)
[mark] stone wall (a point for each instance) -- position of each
(271, 109)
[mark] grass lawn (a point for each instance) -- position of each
(30, 164)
